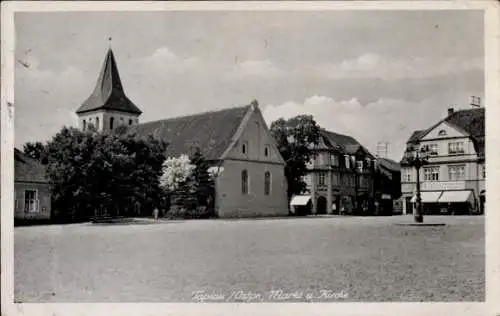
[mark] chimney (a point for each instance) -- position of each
(450, 111)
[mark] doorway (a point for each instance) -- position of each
(321, 208)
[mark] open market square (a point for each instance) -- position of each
(334, 258)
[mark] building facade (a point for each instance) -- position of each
(340, 178)
(453, 180)
(250, 172)
(32, 193)
(387, 182)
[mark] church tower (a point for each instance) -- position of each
(108, 106)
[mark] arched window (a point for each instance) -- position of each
(266, 151)
(244, 182)
(84, 124)
(111, 122)
(244, 148)
(97, 123)
(267, 183)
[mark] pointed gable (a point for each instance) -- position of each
(108, 93)
(444, 130)
(210, 132)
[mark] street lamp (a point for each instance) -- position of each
(417, 158)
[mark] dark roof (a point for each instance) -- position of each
(389, 164)
(108, 93)
(472, 121)
(210, 132)
(27, 169)
(415, 136)
(343, 143)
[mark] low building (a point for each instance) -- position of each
(340, 178)
(31, 189)
(453, 180)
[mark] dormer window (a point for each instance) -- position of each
(359, 165)
(334, 160)
(442, 132)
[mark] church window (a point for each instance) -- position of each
(266, 151)
(111, 122)
(244, 182)
(267, 183)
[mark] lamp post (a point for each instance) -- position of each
(417, 158)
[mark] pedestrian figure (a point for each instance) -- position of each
(155, 213)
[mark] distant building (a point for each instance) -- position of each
(340, 178)
(236, 142)
(454, 179)
(31, 188)
(387, 182)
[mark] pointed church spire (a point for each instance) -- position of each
(108, 92)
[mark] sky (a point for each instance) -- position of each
(374, 75)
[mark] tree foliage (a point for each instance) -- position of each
(294, 138)
(35, 150)
(95, 172)
(189, 185)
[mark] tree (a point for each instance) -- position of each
(92, 171)
(189, 184)
(295, 138)
(175, 172)
(35, 150)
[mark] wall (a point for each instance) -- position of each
(44, 197)
(104, 118)
(230, 201)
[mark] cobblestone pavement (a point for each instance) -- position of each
(291, 259)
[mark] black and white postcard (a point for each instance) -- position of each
(250, 157)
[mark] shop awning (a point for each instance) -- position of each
(299, 200)
(428, 196)
(455, 196)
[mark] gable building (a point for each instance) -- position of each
(236, 142)
(453, 180)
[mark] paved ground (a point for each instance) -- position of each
(355, 259)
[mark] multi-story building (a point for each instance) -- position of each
(340, 178)
(453, 180)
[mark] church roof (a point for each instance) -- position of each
(210, 132)
(108, 93)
